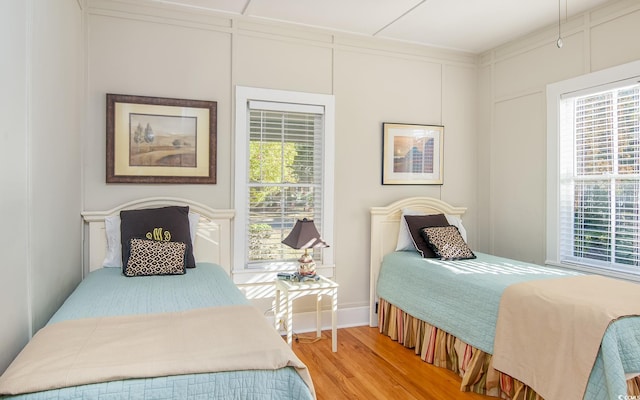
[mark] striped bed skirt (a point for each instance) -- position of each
(444, 350)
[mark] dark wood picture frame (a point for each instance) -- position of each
(161, 140)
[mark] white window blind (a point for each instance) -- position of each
(285, 178)
(599, 179)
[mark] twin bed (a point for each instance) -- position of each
(453, 314)
(191, 334)
(194, 335)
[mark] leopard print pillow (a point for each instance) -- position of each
(447, 243)
(150, 257)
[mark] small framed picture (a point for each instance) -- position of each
(160, 140)
(412, 154)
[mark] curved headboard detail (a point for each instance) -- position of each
(213, 242)
(385, 224)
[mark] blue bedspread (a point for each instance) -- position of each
(106, 292)
(462, 298)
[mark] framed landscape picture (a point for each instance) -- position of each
(160, 140)
(412, 154)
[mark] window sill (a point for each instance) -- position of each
(594, 270)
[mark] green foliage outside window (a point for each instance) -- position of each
(259, 235)
(270, 162)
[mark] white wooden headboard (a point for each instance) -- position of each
(385, 224)
(213, 242)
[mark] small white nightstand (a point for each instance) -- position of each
(287, 291)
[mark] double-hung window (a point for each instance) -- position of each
(284, 172)
(598, 178)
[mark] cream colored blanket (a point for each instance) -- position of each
(549, 331)
(95, 350)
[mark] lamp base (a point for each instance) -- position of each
(306, 266)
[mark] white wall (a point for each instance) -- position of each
(55, 114)
(512, 119)
(40, 140)
(13, 175)
(149, 55)
(137, 49)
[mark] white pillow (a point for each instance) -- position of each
(113, 258)
(456, 221)
(404, 237)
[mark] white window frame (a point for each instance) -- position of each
(244, 95)
(600, 80)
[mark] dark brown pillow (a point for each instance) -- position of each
(447, 243)
(416, 223)
(161, 224)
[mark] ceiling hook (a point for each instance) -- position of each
(559, 42)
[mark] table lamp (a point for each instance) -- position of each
(305, 235)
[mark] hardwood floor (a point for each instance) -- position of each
(369, 366)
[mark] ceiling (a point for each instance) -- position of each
(468, 25)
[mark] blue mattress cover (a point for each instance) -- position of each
(106, 292)
(462, 298)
